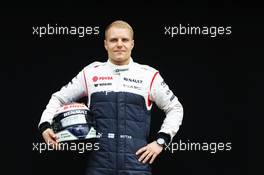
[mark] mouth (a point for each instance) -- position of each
(119, 51)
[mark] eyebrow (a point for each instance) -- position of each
(116, 38)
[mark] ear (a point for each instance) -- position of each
(105, 45)
(132, 44)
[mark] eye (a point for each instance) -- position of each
(113, 40)
(125, 39)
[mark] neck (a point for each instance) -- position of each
(120, 63)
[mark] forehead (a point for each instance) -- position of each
(118, 32)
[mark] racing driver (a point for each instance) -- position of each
(120, 94)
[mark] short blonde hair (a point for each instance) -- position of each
(120, 24)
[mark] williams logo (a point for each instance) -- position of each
(133, 80)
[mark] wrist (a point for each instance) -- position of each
(160, 142)
(43, 126)
(163, 138)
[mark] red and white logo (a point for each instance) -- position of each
(96, 78)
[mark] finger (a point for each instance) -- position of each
(55, 138)
(147, 157)
(48, 134)
(53, 135)
(50, 140)
(143, 155)
(141, 150)
(153, 158)
(49, 137)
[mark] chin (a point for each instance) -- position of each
(120, 59)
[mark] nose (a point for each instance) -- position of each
(119, 43)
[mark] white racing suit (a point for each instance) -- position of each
(120, 98)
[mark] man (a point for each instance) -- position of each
(120, 94)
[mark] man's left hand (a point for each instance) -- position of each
(151, 150)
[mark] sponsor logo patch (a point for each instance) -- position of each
(96, 78)
(133, 80)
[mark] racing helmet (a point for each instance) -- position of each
(73, 121)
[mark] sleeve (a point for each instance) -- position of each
(169, 103)
(71, 92)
